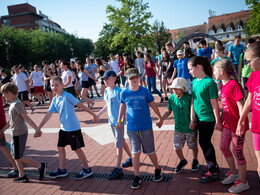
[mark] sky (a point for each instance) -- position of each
(85, 18)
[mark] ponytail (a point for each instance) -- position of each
(204, 62)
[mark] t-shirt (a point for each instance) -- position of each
(65, 75)
(154, 59)
(164, 64)
(137, 108)
(230, 95)
(19, 80)
(6, 79)
(112, 98)
(202, 92)
(217, 59)
(139, 63)
(149, 70)
(2, 114)
(64, 105)
(253, 85)
(91, 69)
(246, 70)
(182, 68)
(82, 76)
(181, 112)
(205, 52)
(115, 66)
(235, 53)
(37, 78)
(17, 123)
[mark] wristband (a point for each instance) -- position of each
(119, 121)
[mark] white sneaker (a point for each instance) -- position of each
(239, 187)
(230, 178)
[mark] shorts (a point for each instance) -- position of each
(71, 90)
(118, 135)
(102, 82)
(144, 139)
(91, 82)
(3, 141)
(256, 141)
(38, 89)
(72, 138)
(31, 90)
(179, 140)
(118, 81)
(85, 84)
(244, 81)
(141, 74)
(79, 87)
(18, 145)
(23, 95)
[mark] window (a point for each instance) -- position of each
(229, 35)
(220, 37)
(239, 27)
(229, 29)
(6, 21)
(211, 32)
(220, 30)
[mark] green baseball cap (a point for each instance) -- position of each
(132, 72)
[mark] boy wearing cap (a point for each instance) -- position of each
(135, 102)
(180, 103)
(112, 98)
(181, 69)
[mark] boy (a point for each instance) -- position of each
(205, 50)
(3, 146)
(220, 51)
(180, 103)
(18, 116)
(135, 102)
(36, 77)
(112, 98)
(70, 132)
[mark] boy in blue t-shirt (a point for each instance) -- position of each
(205, 50)
(135, 102)
(180, 104)
(112, 98)
(70, 132)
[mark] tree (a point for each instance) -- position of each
(253, 24)
(131, 19)
(160, 35)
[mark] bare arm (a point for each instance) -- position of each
(166, 114)
(87, 73)
(215, 107)
(121, 116)
(157, 112)
(32, 124)
(95, 117)
(193, 118)
(229, 54)
(102, 111)
(68, 81)
(45, 119)
(240, 105)
(246, 109)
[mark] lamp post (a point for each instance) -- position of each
(6, 42)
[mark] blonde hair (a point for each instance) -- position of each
(57, 78)
(9, 87)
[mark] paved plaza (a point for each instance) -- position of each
(101, 154)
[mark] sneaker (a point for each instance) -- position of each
(161, 100)
(180, 166)
(195, 165)
(136, 182)
(42, 171)
(127, 163)
(230, 178)
(98, 95)
(39, 103)
(161, 90)
(32, 110)
(166, 98)
(91, 96)
(59, 173)
(42, 102)
(116, 173)
(239, 187)
(84, 173)
(23, 179)
(158, 175)
(11, 174)
(209, 177)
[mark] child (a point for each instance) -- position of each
(205, 97)
(253, 100)
(135, 102)
(70, 132)
(232, 102)
(180, 103)
(112, 98)
(18, 116)
(3, 147)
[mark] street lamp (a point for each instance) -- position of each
(6, 42)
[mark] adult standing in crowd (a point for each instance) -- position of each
(115, 67)
(205, 50)
(139, 64)
(36, 78)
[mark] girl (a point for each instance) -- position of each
(205, 97)
(151, 72)
(83, 75)
(102, 70)
(164, 63)
(47, 85)
(126, 65)
(232, 102)
(67, 78)
(253, 98)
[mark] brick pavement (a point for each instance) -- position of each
(102, 158)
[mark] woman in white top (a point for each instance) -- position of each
(67, 78)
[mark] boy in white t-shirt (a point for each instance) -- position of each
(36, 78)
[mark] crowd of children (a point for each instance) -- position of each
(194, 103)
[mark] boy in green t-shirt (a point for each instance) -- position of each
(180, 103)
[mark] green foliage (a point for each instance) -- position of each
(253, 24)
(32, 47)
(160, 35)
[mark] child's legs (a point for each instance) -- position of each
(82, 158)
(6, 151)
(256, 141)
(225, 140)
(154, 160)
(62, 157)
(84, 95)
(136, 163)
(29, 161)
(153, 83)
(164, 86)
(127, 150)
(192, 143)
(149, 83)
(206, 130)
(178, 143)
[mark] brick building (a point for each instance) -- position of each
(25, 16)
